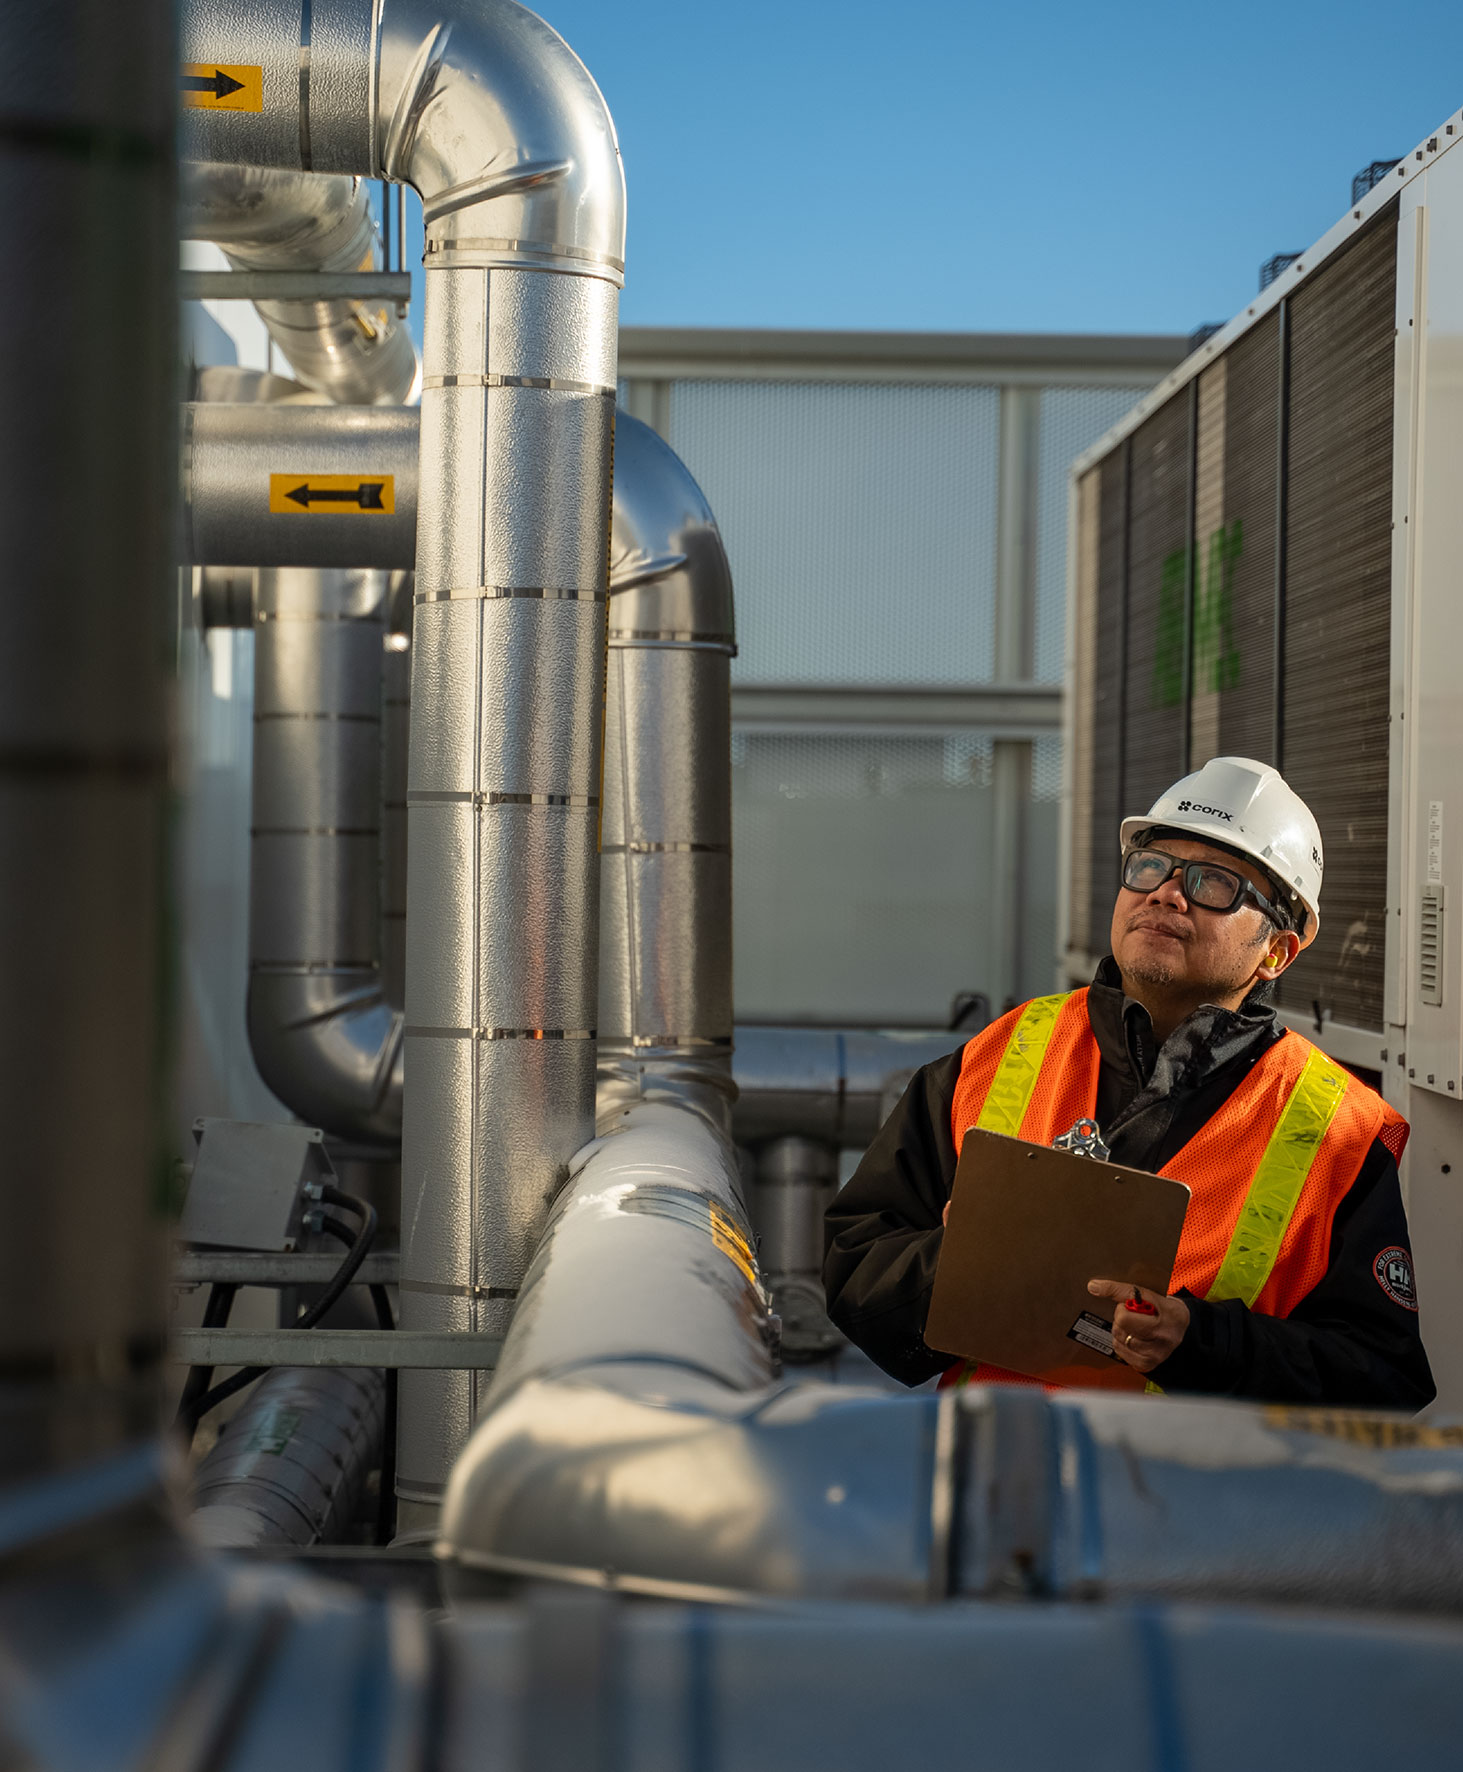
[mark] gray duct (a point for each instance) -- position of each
(356, 353)
(290, 1466)
(505, 136)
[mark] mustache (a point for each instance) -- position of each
(1160, 925)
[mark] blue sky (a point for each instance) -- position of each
(971, 167)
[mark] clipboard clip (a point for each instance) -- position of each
(1083, 1140)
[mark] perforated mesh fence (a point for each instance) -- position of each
(1072, 419)
(862, 862)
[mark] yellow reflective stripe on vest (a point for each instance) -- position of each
(1011, 1088)
(1271, 1201)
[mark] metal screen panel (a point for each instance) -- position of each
(1072, 419)
(1107, 696)
(860, 862)
(1239, 563)
(1337, 610)
(1155, 699)
(860, 521)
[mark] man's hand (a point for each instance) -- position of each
(1143, 1341)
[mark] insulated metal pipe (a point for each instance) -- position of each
(796, 1181)
(835, 1085)
(248, 498)
(324, 1037)
(87, 488)
(501, 130)
(665, 987)
(354, 351)
(290, 1467)
(635, 1426)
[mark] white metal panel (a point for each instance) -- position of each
(1432, 834)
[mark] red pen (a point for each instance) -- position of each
(1140, 1305)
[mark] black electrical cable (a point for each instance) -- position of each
(360, 1246)
(386, 1477)
(215, 1316)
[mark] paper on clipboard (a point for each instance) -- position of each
(1029, 1227)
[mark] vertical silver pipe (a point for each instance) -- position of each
(503, 133)
(665, 953)
(87, 497)
(395, 746)
(523, 274)
(324, 1037)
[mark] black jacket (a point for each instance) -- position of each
(1347, 1342)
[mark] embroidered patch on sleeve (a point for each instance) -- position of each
(1393, 1268)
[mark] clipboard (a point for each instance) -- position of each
(1029, 1227)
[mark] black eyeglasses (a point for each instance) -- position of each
(1204, 883)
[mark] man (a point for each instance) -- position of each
(1293, 1280)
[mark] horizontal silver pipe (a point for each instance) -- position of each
(295, 1670)
(352, 350)
(620, 1406)
(262, 485)
(836, 1085)
(290, 1466)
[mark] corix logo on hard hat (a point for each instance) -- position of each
(1208, 811)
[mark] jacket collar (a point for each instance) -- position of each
(1208, 1041)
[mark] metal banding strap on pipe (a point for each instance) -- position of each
(1011, 1088)
(556, 384)
(500, 592)
(433, 1033)
(575, 255)
(1271, 1201)
(471, 797)
(665, 849)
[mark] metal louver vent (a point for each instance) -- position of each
(1337, 620)
(1430, 947)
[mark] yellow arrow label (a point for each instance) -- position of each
(332, 495)
(220, 86)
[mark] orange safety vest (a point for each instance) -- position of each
(1266, 1172)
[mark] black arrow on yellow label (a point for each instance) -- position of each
(366, 496)
(221, 86)
(323, 493)
(218, 83)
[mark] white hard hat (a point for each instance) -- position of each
(1248, 807)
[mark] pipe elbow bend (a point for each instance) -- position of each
(329, 1045)
(483, 108)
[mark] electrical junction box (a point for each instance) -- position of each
(252, 1183)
